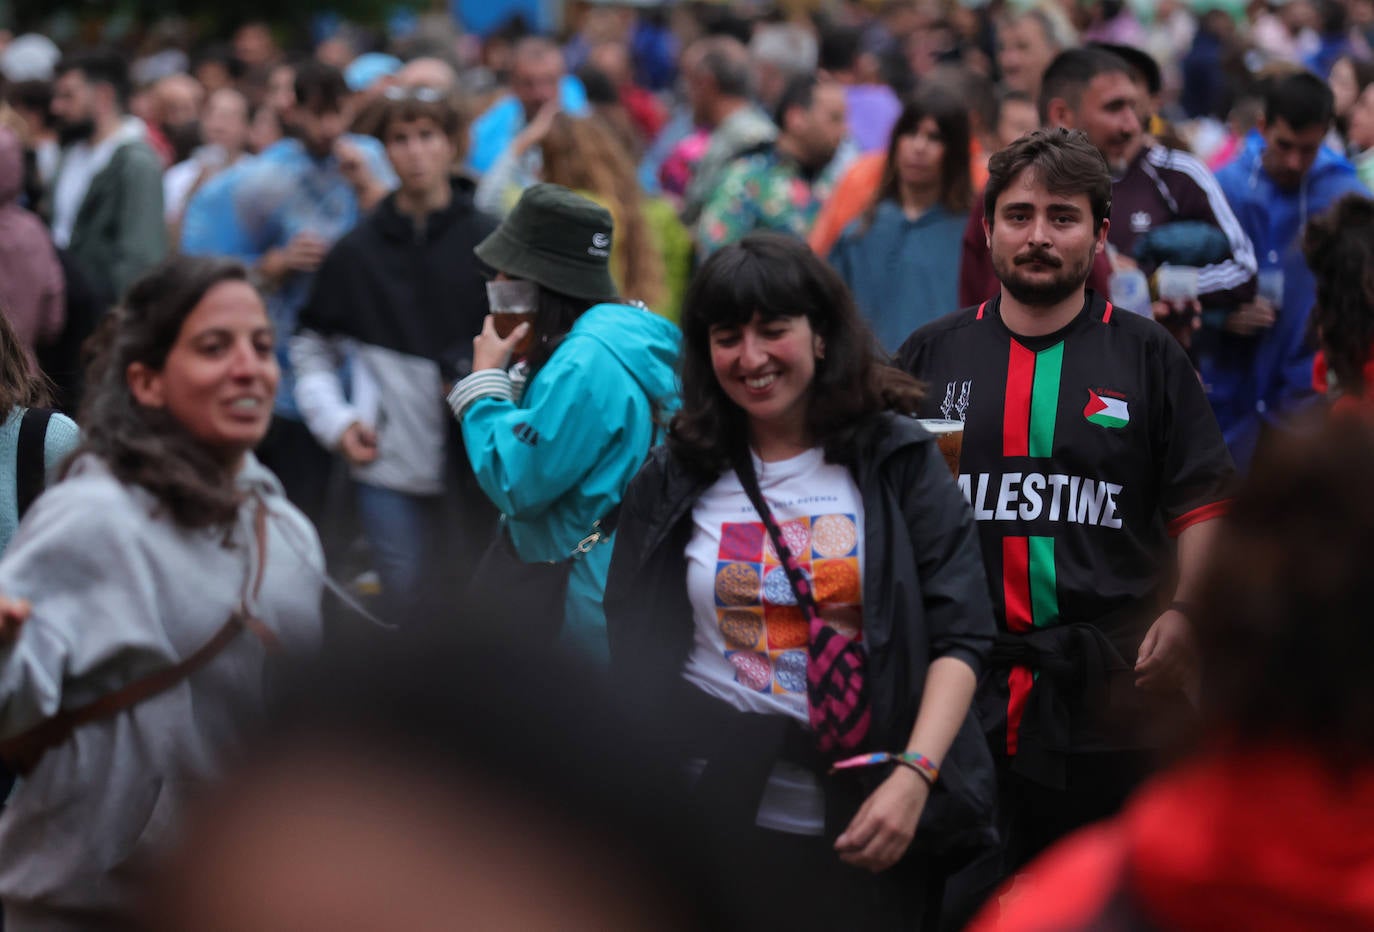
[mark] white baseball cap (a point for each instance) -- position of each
(30, 57)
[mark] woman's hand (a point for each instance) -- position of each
(13, 614)
(489, 350)
(882, 830)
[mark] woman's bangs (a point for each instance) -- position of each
(729, 293)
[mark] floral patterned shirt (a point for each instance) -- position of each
(763, 191)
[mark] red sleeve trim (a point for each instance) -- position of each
(1107, 314)
(980, 310)
(1198, 515)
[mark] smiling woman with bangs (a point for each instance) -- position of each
(144, 593)
(815, 521)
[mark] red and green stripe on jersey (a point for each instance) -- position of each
(1030, 591)
(1029, 579)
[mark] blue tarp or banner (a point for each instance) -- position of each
(482, 17)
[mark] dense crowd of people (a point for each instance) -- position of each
(914, 445)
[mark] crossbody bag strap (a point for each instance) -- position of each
(30, 462)
(22, 752)
(801, 586)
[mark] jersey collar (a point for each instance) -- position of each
(1096, 309)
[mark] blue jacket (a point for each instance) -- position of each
(494, 130)
(560, 460)
(262, 203)
(1254, 380)
(903, 273)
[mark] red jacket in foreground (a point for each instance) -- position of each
(1265, 841)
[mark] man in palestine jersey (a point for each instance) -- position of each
(1088, 445)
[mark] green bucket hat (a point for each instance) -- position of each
(556, 239)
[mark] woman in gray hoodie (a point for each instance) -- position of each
(151, 586)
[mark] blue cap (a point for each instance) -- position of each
(369, 68)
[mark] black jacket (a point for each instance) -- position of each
(400, 296)
(925, 595)
(391, 284)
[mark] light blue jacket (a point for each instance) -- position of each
(60, 440)
(559, 460)
(494, 131)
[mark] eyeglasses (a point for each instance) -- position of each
(425, 95)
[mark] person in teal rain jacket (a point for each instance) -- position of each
(555, 439)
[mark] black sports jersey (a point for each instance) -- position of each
(1084, 450)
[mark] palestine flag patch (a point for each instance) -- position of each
(1106, 411)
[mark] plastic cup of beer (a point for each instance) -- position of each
(949, 435)
(513, 303)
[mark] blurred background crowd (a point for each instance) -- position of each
(357, 162)
(694, 123)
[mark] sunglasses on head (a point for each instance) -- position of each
(425, 95)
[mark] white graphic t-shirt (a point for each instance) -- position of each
(751, 637)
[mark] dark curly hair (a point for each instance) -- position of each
(778, 276)
(1282, 613)
(147, 446)
(21, 385)
(1339, 246)
(1063, 161)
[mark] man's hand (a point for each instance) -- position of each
(304, 253)
(1179, 318)
(1249, 319)
(13, 614)
(882, 829)
(367, 188)
(490, 351)
(353, 164)
(358, 444)
(1168, 656)
(533, 134)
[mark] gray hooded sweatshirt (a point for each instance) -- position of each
(119, 591)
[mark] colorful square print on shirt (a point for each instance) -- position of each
(766, 633)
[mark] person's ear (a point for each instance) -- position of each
(1059, 113)
(818, 346)
(987, 231)
(146, 385)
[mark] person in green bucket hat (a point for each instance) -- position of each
(569, 389)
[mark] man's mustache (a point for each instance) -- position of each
(1043, 258)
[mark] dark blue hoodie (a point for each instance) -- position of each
(1254, 380)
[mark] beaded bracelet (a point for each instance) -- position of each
(913, 759)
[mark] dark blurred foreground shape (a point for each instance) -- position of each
(428, 783)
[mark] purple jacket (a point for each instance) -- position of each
(32, 290)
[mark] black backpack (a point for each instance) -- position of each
(30, 468)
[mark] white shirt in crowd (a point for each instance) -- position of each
(751, 639)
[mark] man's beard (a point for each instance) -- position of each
(75, 131)
(1041, 293)
(184, 138)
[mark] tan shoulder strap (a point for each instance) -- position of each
(22, 752)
